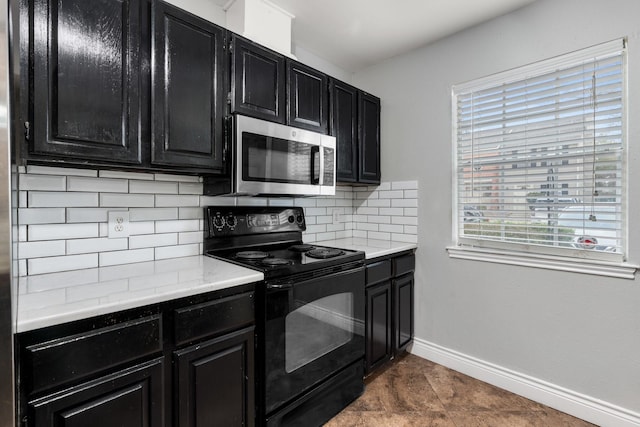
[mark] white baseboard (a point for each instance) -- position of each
(579, 405)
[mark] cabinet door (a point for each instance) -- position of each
(307, 98)
(129, 398)
(86, 79)
(378, 325)
(257, 81)
(188, 89)
(403, 310)
(369, 138)
(344, 126)
(215, 382)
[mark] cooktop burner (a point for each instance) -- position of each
(251, 255)
(301, 248)
(324, 253)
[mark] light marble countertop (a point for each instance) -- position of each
(55, 298)
(371, 247)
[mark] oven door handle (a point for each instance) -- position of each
(280, 285)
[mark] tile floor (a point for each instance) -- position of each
(416, 392)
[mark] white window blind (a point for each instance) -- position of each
(539, 155)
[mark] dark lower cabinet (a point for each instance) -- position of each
(85, 92)
(389, 312)
(129, 398)
(188, 90)
(215, 382)
(188, 362)
(378, 329)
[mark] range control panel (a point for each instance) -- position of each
(239, 220)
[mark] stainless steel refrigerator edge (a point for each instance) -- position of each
(7, 398)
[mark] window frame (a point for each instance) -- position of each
(567, 259)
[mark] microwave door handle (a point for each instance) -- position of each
(315, 151)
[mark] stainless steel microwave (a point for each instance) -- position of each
(274, 159)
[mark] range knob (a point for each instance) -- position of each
(231, 221)
(218, 221)
(300, 219)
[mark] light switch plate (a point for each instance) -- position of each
(118, 224)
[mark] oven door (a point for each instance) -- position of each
(313, 329)
(276, 159)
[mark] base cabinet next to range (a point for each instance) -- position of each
(188, 362)
(389, 312)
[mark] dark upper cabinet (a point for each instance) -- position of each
(355, 122)
(188, 89)
(344, 126)
(86, 79)
(257, 81)
(307, 98)
(369, 138)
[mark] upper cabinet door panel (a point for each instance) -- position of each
(188, 89)
(369, 130)
(86, 79)
(344, 126)
(258, 81)
(308, 105)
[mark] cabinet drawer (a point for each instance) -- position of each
(77, 356)
(403, 265)
(213, 317)
(378, 271)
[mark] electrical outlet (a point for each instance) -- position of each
(118, 224)
(337, 216)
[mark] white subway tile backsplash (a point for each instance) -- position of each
(182, 200)
(42, 182)
(191, 188)
(50, 170)
(380, 203)
(153, 240)
(404, 203)
(40, 249)
(41, 215)
(391, 228)
(61, 263)
(190, 237)
(141, 227)
(410, 211)
(177, 251)
(61, 231)
(125, 175)
(179, 178)
(61, 199)
(153, 187)
(126, 257)
(103, 185)
(167, 217)
(190, 213)
(177, 226)
(118, 200)
(152, 214)
(87, 215)
(86, 246)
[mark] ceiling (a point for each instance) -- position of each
(354, 34)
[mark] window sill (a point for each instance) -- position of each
(620, 270)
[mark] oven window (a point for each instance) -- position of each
(318, 327)
(268, 159)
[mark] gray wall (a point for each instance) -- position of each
(577, 331)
